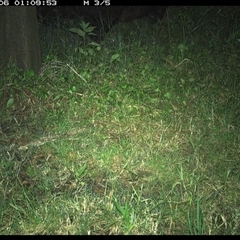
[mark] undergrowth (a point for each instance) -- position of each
(138, 134)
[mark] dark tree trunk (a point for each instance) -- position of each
(19, 39)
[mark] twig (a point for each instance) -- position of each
(77, 73)
(184, 60)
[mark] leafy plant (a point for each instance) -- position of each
(115, 58)
(88, 47)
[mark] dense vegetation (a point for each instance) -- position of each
(137, 134)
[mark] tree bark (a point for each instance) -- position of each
(19, 39)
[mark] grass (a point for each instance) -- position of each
(140, 136)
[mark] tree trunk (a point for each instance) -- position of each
(19, 39)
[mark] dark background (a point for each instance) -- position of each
(101, 17)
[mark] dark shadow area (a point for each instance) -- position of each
(104, 18)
